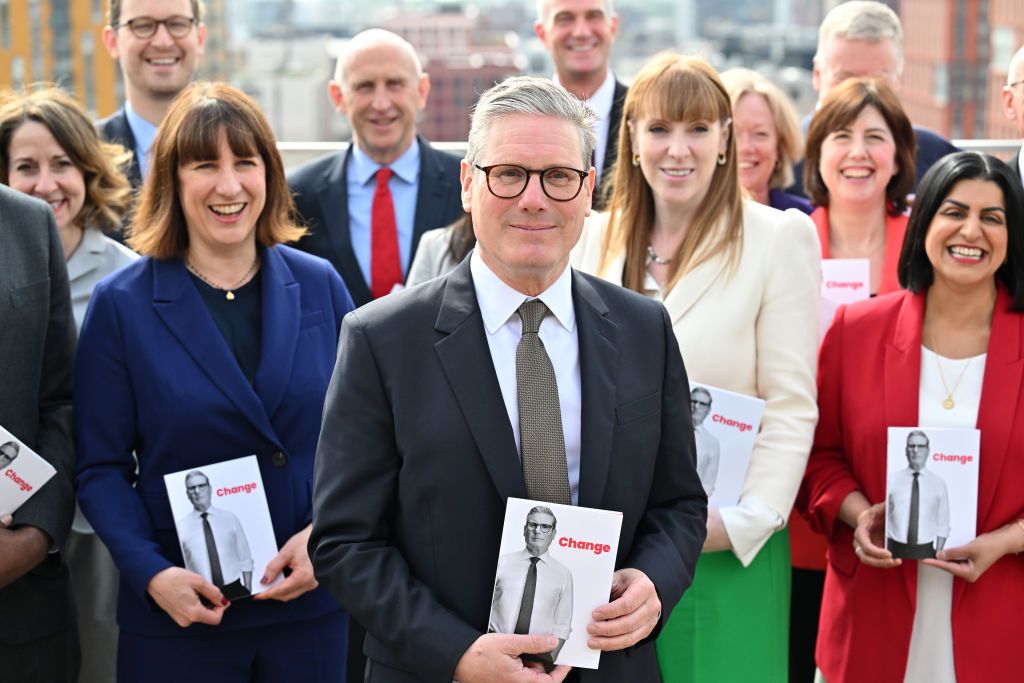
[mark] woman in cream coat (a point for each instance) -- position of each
(740, 281)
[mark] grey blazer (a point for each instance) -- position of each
(37, 346)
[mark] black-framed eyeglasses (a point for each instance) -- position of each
(545, 528)
(508, 181)
(197, 487)
(1015, 83)
(694, 402)
(145, 27)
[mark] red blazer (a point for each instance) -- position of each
(868, 379)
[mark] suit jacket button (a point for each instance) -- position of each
(279, 459)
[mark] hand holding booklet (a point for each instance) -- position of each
(223, 523)
(22, 472)
(554, 568)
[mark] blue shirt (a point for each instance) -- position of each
(143, 131)
(361, 176)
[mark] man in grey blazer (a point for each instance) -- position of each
(513, 376)
(38, 641)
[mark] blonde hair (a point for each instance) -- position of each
(790, 148)
(107, 190)
(675, 88)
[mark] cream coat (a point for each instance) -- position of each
(752, 330)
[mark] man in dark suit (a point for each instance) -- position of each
(367, 208)
(859, 39)
(158, 44)
(1013, 104)
(579, 35)
(453, 396)
(38, 641)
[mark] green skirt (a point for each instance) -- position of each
(732, 625)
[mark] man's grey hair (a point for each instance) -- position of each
(918, 432)
(701, 390)
(12, 453)
(546, 511)
(374, 37)
(531, 96)
(865, 20)
(542, 10)
(196, 473)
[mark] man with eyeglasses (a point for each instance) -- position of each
(511, 376)
(708, 448)
(158, 44)
(533, 590)
(366, 208)
(1013, 105)
(917, 510)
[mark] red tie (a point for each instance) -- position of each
(386, 262)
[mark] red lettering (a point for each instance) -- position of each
(839, 284)
(13, 476)
(949, 457)
(596, 548)
(729, 422)
(241, 488)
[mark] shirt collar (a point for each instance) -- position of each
(1020, 163)
(498, 302)
(524, 554)
(406, 167)
(142, 130)
(601, 100)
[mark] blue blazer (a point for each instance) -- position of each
(155, 377)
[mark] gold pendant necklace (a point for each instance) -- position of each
(949, 403)
(229, 292)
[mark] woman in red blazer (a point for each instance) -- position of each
(963, 268)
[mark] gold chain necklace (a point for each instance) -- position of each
(949, 403)
(229, 291)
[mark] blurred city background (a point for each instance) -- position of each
(282, 52)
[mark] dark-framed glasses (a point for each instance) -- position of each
(508, 181)
(1015, 83)
(544, 528)
(146, 27)
(694, 403)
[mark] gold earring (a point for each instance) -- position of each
(721, 159)
(636, 159)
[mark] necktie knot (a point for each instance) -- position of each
(383, 176)
(534, 560)
(916, 475)
(532, 313)
(203, 514)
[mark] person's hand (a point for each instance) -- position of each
(494, 658)
(295, 556)
(179, 592)
(5, 520)
(717, 538)
(630, 616)
(21, 550)
(970, 561)
(869, 539)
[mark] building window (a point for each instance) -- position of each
(5, 25)
(1002, 47)
(940, 84)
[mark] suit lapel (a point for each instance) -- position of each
(430, 196)
(279, 328)
(598, 362)
(333, 200)
(692, 287)
(903, 364)
(467, 362)
(179, 305)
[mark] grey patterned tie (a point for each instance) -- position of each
(540, 418)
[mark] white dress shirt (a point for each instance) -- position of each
(708, 457)
(232, 546)
(552, 601)
(499, 304)
(601, 104)
(933, 510)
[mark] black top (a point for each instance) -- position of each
(238, 320)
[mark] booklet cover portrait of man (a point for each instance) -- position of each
(223, 523)
(725, 426)
(22, 472)
(931, 490)
(555, 567)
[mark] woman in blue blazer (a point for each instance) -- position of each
(218, 344)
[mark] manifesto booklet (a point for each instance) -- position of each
(843, 281)
(555, 568)
(22, 472)
(931, 493)
(725, 426)
(223, 522)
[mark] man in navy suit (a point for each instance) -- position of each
(858, 39)
(1013, 104)
(158, 44)
(512, 376)
(579, 35)
(367, 208)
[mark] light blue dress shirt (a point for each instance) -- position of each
(143, 131)
(361, 176)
